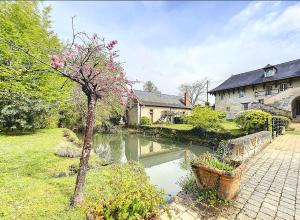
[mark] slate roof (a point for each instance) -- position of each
(285, 70)
(160, 100)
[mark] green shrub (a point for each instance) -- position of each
(19, 112)
(252, 120)
(125, 194)
(209, 160)
(189, 185)
(145, 121)
(206, 118)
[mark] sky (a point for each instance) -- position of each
(177, 42)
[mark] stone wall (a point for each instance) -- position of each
(133, 114)
(242, 148)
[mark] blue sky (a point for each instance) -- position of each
(175, 42)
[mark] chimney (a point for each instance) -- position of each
(186, 99)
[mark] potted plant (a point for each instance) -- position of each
(212, 173)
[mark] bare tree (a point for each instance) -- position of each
(196, 90)
(150, 87)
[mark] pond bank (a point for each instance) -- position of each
(198, 136)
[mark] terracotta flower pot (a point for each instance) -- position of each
(227, 183)
(206, 177)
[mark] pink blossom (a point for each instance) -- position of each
(111, 44)
(56, 62)
(68, 56)
(92, 64)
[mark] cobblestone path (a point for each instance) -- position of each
(270, 188)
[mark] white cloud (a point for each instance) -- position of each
(270, 38)
(248, 12)
(262, 33)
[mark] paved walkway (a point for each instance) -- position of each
(270, 188)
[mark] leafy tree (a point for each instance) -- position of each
(150, 87)
(28, 26)
(206, 118)
(91, 63)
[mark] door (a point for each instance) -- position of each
(298, 107)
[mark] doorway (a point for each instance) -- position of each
(297, 107)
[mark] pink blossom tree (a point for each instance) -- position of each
(92, 63)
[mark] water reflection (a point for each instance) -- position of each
(165, 161)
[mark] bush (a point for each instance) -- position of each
(206, 118)
(210, 196)
(145, 121)
(19, 112)
(125, 194)
(252, 120)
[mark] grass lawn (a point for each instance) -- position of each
(174, 126)
(28, 189)
(230, 126)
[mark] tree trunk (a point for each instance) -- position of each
(86, 149)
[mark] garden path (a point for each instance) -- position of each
(270, 188)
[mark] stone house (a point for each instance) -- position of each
(273, 87)
(157, 107)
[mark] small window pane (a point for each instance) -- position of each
(246, 106)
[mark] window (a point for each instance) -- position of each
(283, 87)
(222, 96)
(261, 101)
(269, 90)
(242, 92)
(245, 106)
(269, 72)
(228, 109)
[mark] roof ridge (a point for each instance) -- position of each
(156, 93)
(264, 67)
(285, 70)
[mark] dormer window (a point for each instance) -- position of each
(270, 70)
(242, 92)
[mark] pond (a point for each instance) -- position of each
(165, 161)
